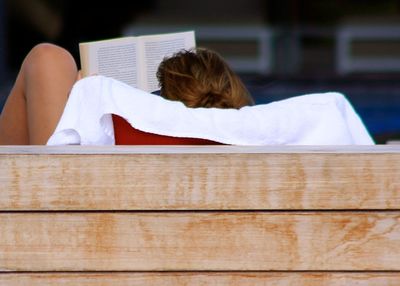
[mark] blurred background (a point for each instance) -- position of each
(280, 48)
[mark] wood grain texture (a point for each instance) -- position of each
(181, 241)
(221, 279)
(200, 181)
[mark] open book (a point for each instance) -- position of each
(133, 60)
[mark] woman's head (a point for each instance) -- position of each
(201, 78)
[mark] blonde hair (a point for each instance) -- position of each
(201, 78)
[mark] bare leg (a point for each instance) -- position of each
(38, 97)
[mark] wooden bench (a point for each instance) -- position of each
(183, 215)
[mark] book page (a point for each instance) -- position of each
(116, 58)
(156, 48)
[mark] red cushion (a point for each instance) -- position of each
(125, 134)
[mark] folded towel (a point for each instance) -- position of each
(314, 119)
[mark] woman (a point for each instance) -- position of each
(198, 78)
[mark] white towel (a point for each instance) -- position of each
(314, 119)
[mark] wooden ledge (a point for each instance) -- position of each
(71, 149)
(200, 178)
(200, 215)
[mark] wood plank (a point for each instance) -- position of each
(206, 181)
(184, 241)
(196, 149)
(210, 278)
